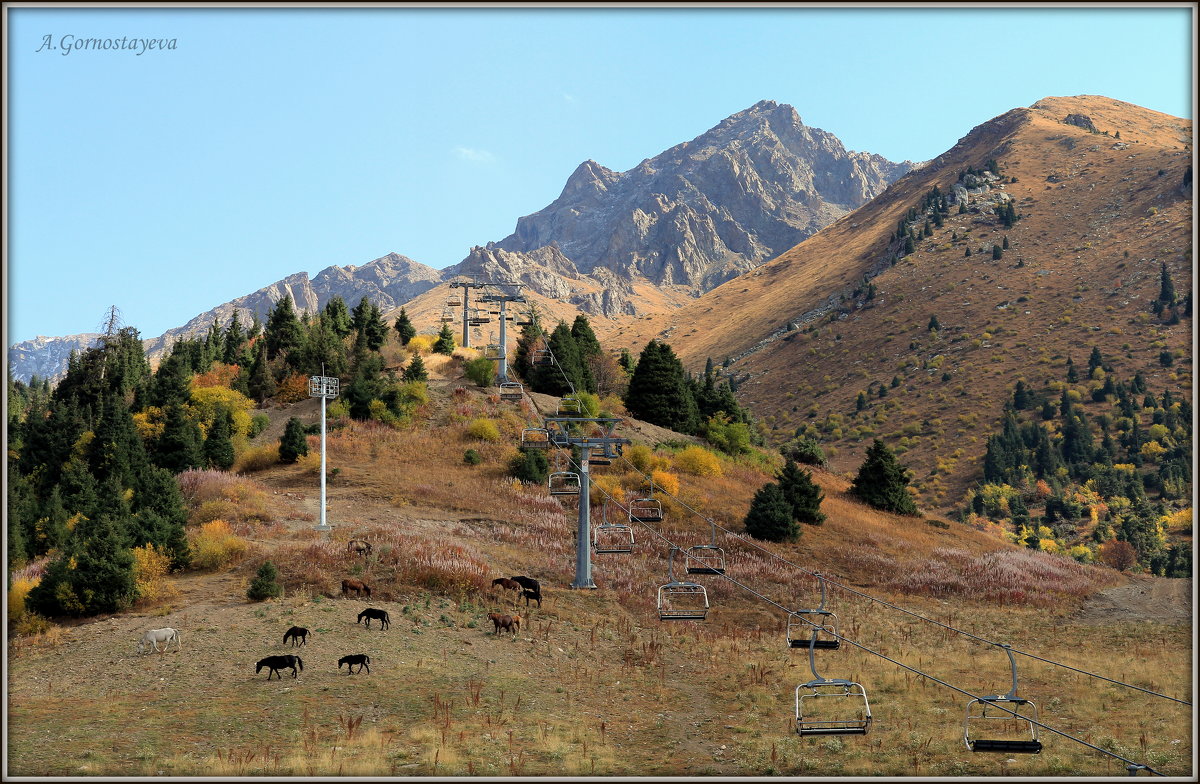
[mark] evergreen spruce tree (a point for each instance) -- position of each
(568, 371)
(283, 332)
(260, 384)
(94, 576)
(1166, 293)
(293, 444)
(415, 371)
(404, 327)
(882, 482)
(802, 493)
(770, 516)
(337, 316)
(1072, 375)
(235, 343)
(909, 245)
(1005, 242)
(934, 324)
(626, 361)
(265, 584)
(160, 515)
(179, 446)
(967, 254)
(861, 401)
(997, 252)
(658, 391)
(218, 444)
(366, 386)
(445, 341)
(323, 351)
(585, 338)
(530, 465)
(1094, 360)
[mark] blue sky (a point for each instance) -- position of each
(275, 141)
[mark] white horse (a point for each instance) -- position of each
(152, 638)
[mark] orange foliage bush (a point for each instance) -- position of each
(219, 375)
(292, 389)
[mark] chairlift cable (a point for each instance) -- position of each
(848, 589)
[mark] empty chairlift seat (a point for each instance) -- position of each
(832, 707)
(570, 406)
(679, 600)
(511, 391)
(1003, 723)
(705, 558)
(492, 351)
(610, 537)
(645, 510)
(535, 438)
(564, 483)
(802, 625)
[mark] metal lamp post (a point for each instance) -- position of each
(324, 387)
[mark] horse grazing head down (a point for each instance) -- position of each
(381, 615)
(358, 586)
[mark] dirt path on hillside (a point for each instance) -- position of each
(1156, 599)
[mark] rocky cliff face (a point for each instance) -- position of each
(706, 210)
(46, 357)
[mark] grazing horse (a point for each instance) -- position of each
(359, 546)
(152, 638)
(528, 583)
(296, 633)
(506, 584)
(361, 659)
(509, 623)
(369, 613)
(277, 663)
(535, 595)
(358, 586)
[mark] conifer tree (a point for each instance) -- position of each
(861, 401)
(261, 385)
(934, 324)
(770, 516)
(235, 343)
(218, 446)
(801, 493)
(337, 316)
(415, 371)
(293, 444)
(1166, 293)
(94, 575)
(530, 465)
(404, 327)
(882, 482)
(997, 253)
(568, 371)
(283, 332)
(445, 342)
(179, 446)
(585, 338)
(1005, 246)
(265, 584)
(658, 391)
(626, 361)
(1072, 375)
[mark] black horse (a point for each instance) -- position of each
(296, 633)
(277, 663)
(528, 583)
(370, 612)
(361, 659)
(534, 595)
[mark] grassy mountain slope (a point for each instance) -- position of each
(1098, 216)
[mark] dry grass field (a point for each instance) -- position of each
(593, 683)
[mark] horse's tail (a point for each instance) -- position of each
(300, 662)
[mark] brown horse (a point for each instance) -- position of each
(509, 623)
(358, 586)
(358, 547)
(506, 584)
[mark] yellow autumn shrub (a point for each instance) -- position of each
(698, 461)
(215, 545)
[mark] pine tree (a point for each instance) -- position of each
(770, 516)
(404, 327)
(909, 246)
(445, 341)
(861, 401)
(415, 371)
(997, 253)
(802, 493)
(567, 372)
(585, 338)
(1072, 375)
(530, 465)
(882, 482)
(218, 446)
(658, 391)
(293, 443)
(265, 584)
(1005, 242)
(235, 343)
(94, 575)
(934, 324)
(967, 254)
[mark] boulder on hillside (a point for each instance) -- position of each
(1081, 121)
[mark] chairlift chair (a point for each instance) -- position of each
(802, 625)
(492, 351)
(705, 558)
(535, 438)
(569, 406)
(453, 302)
(1006, 708)
(446, 317)
(511, 391)
(680, 600)
(563, 483)
(611, 537)
(851, 714)
(541, 357)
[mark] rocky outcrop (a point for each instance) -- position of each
(46, 357)
(1081, 121)
(701, 212)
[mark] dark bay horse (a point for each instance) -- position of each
(361, 659)
(296, 633)
(358, 586)
(370, 612)
(277, 663)
(528, 583)
(509, 623)
(535, 595)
